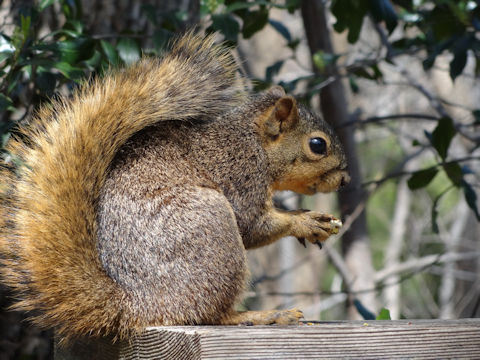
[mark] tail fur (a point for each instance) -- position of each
(48, 238)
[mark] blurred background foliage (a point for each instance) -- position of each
(426, 154)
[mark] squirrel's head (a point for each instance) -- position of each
(304, 153)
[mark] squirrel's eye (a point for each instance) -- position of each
(318, 146)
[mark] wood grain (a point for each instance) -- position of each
(416, 339)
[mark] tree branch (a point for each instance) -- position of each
(379, 119)
(422, 263)
(396, 174)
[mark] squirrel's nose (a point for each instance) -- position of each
(345, 180)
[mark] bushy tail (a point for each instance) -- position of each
(48, 240)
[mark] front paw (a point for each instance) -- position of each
(314, 227)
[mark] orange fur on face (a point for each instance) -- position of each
(311, 180)
(286, 130)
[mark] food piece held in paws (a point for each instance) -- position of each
(336, 226)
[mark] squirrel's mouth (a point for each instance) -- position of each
(330, 181)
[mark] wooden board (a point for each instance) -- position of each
(416, 339)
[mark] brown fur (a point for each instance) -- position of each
(135, 200)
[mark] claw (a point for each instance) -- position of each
(302, 241)
(319, 244)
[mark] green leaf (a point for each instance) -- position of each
(458, 64)
(408, 43)
(38, 61)
(293, 5)
(45, 82)
(429, 61)
(6, 135)
(209, 6)
(406, 4)
(383, 315)
(471, 198)
(63, 33)
(319, 61)
(70, 72)
(383, 10)
(72, 9)
(241, 5)
(8, 49)
(362, 310)
(459, 48)
(435, 50)
(13, 81)
(272, 70)
(25, 22)
(443, 135)
(476, 115)
(353, 85)
(96, 62)
(110, 52)
(227, 25)
(370, 73)
(350, 15)
(421, 178)
(150, 12)
(161, 37)
(181, 15)
(44, 4)
(4, 55)
(74, 25)
(377, 73)
(281, 29)
(294, 44)
(322, 59)
(74, 51)
(444, 23)
(5, 103)
(45, 47)
(254, 21)
(454, 173)
(128, 50)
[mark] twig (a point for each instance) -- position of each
(384, 39)
(281, 273)
(378, 119)
(412, 267)
(341, 267)
(395, 174)
(422, 263)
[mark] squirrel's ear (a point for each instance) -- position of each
(283, 116)
(286, 112)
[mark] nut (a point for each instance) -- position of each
(336, 225)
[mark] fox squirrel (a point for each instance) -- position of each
(133, 202)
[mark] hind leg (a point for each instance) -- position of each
(180, 259)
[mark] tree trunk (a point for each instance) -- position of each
(355, 242)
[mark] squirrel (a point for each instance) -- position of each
(133, 201)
